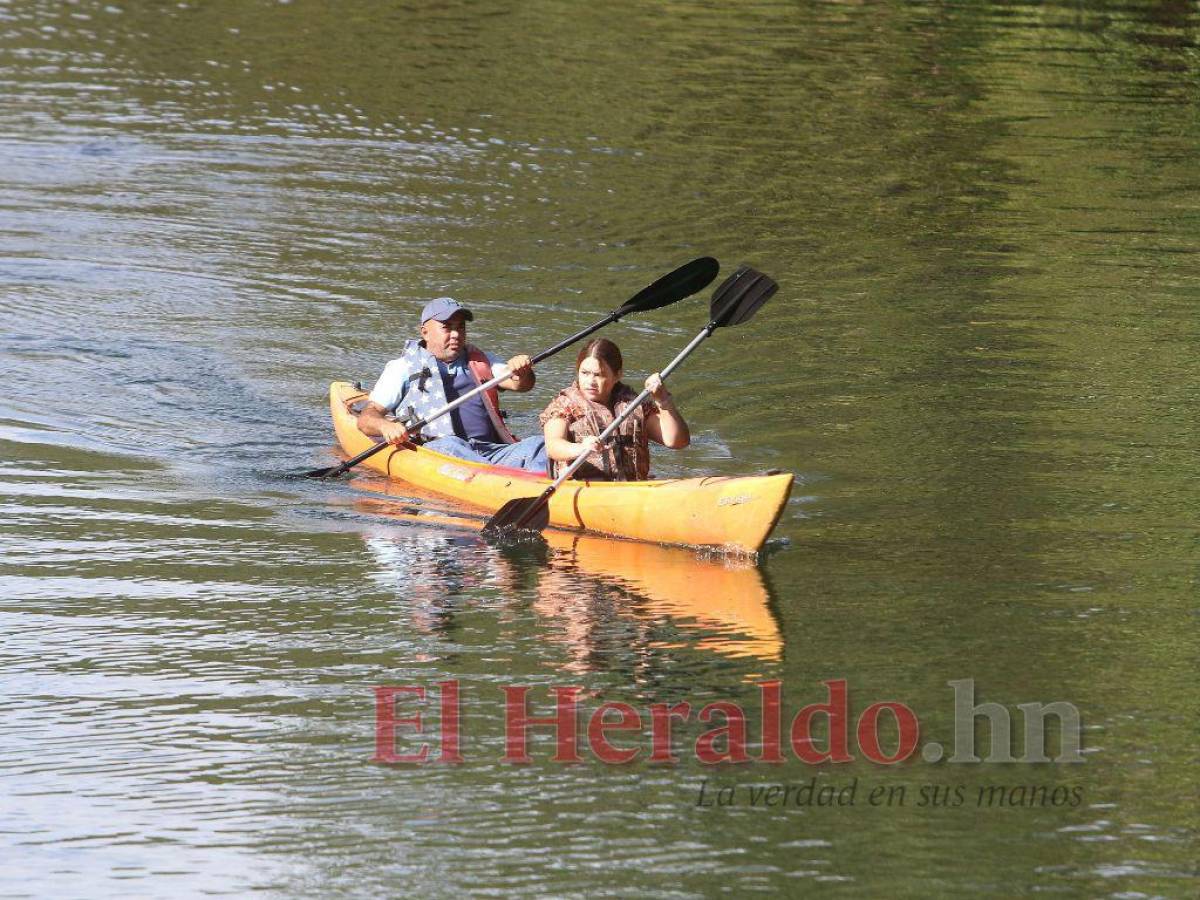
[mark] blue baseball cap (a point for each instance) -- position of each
(443, 308)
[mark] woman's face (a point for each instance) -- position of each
(596, 379)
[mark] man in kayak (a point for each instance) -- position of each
(440, 368)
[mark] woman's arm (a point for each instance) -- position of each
(559, 447)
(666, 426)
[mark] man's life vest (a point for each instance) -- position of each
(424, 393)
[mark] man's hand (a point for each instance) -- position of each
(393, 432)
(520, 374)
(520, 365)
(374, 422)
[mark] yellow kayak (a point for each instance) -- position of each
(727, 512)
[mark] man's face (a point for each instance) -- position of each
(445, 340)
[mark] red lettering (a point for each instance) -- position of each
(517, 721)
(629, 721)
(868, 732)
(772, 721)
(386, 723)
(835, 710)
(733, 733)
(451, 721)
(660, 729)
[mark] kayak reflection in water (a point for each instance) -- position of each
(574, 419)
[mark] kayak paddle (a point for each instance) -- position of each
(672, 287)
(734, 302)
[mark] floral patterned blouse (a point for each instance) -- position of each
(625, 457)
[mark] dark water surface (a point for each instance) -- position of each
(981, 367)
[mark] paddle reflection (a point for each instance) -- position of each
(599, 593)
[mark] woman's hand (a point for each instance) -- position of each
(658, 390)
(665, 425)
(588, 445)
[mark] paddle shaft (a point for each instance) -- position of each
(612, 427)
(414, 427)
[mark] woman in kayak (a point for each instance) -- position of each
(574, 419)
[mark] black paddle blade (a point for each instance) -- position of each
(740, 295)
(523, 515)
(330, 471)
(321, 473)
(683, 282)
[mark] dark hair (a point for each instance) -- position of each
(602, 349)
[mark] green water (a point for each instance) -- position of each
(985, 220)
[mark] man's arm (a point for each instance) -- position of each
(386, 396)
(373, 422)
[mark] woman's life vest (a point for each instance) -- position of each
(626, 455)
